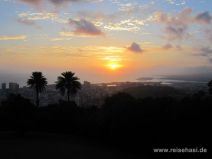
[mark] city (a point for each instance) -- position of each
(95, 94)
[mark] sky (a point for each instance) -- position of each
(104, 40)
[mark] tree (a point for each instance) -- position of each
(68, 84)
(210, 86)
(17, 113)
(21, 108)
(37, 82)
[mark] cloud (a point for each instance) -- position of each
(84, 28)
(176, 32)
(55, 2)
(179, 47)
(135, 48)
(171, 46)
(37, 16)
(183, 17)
(26, 21)
(208, 33)
(176, 2)
(177, 26)
(167, 46)
(133, 7)
(60, 39)
(126, 25)
(35, 2)
(204, 52)
(31, 18)
(204, 17)
(126, 7)
(67, 34)
(59, 2)
(14, 37)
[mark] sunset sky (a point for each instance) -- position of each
(104, 40)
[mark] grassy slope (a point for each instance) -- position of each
(54, 146)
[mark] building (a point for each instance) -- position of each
(13, 87)
(3, 86)
(86, 84)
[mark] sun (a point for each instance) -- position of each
(114, 66)
(113, 63)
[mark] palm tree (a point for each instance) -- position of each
(68, 84)
(37, 82)
(210, 86)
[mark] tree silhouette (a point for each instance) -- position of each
(68, 84)
(38, 82)
(210, 86)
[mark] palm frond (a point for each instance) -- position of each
(68, 82)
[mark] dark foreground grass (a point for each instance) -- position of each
(35, 145)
